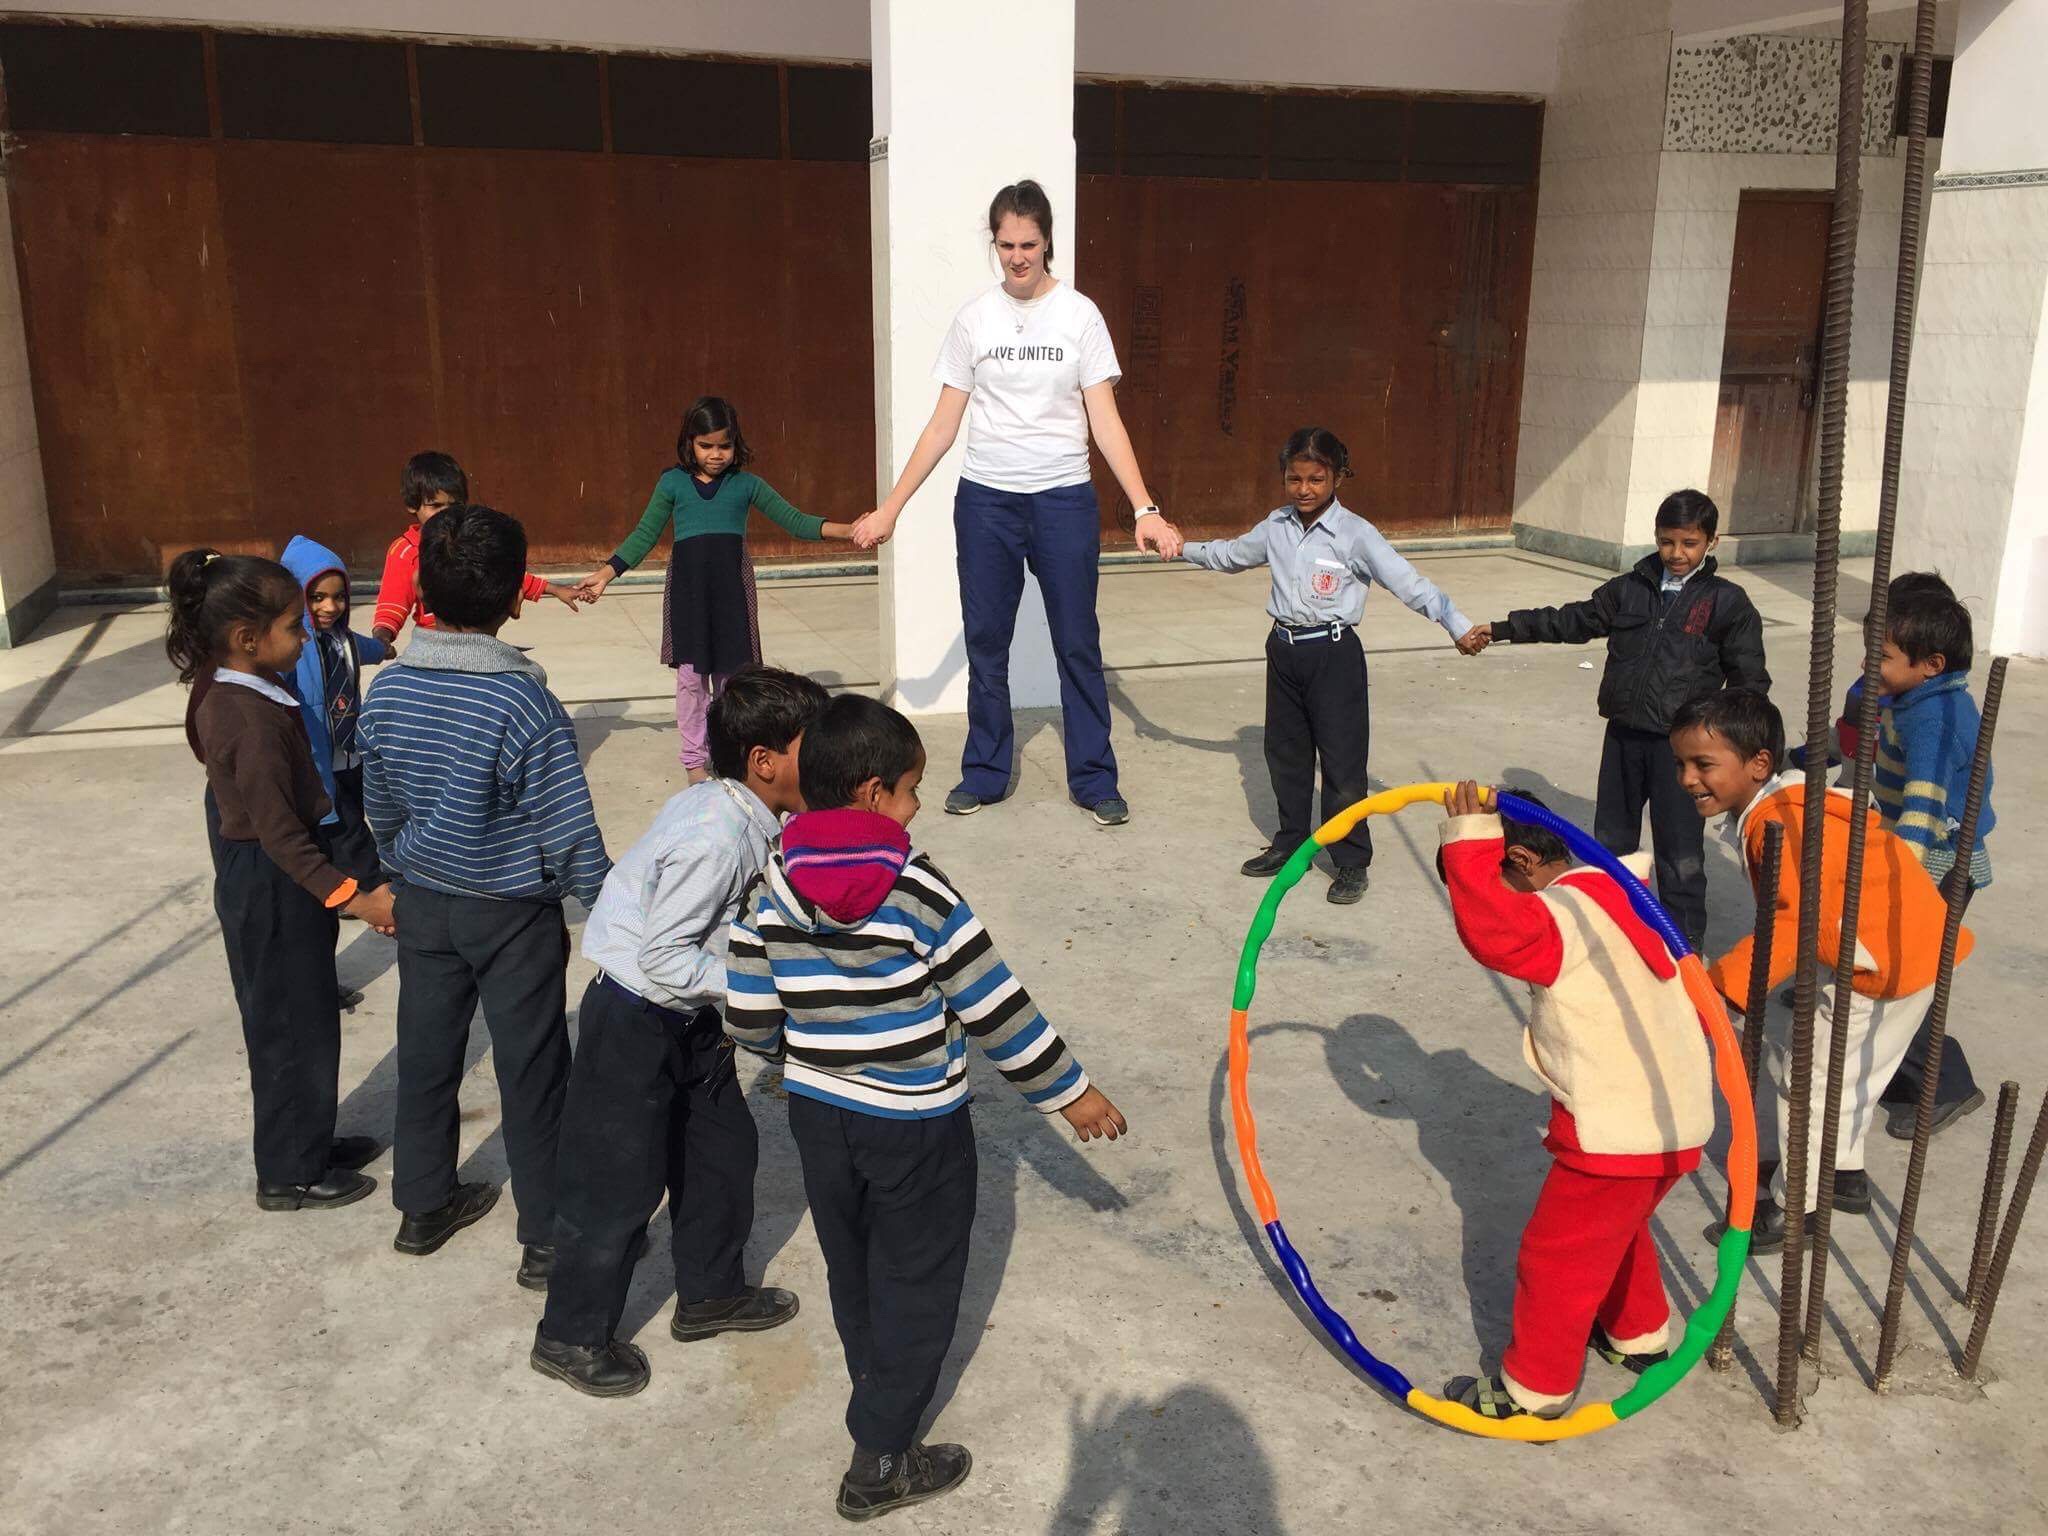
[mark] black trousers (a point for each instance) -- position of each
(654, 1104)
(513, 956)
(1958, 1082)
(1637, 767)
(354, 849)
(1316, 710)
(893, 1203)
(280, 944)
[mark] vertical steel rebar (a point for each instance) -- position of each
(1841, 282)
(1758, 1000)
(1994, 1190)
(2030, 1167)
(1798, 1091)
(1937, 1029)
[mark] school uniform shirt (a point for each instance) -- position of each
(660, 924)
(1024, 366)
(471, 782)
(1611, 1031)
(246, 730)
(1321, 571)
(857, 963)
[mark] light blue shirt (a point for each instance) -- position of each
(660, 923)
(1320, 572)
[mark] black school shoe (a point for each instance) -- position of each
(1349, 886)
(612, 1369)
(1269, 862)
(1899, 1118)
(1603, 1346)
(420, 1235)
(341, 1186)
(754, 1310)
(877, 1483)
(536, 1266)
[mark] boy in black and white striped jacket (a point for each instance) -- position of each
(860, 967)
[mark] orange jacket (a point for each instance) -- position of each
(1898, 927)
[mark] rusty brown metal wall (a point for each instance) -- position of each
(1392, 313)
(231, 342)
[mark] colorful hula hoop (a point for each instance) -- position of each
(1729, 1075)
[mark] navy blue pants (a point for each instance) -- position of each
(1056, 534)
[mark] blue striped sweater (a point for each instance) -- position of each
(471, 783)
(1926, 739)
(872, 1012)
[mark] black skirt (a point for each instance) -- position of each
(710, 612)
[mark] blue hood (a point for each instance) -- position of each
(309, 561)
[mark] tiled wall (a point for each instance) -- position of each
(28, 567)
(1973, 492)
(1602, 132)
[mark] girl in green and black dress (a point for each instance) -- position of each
(710, 619)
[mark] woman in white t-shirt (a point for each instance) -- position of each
(1030, 365)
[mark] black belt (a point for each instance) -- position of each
(680, 1017)
(1296, 634)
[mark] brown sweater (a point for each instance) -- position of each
(261, 772)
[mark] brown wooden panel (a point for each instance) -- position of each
(522, 247)
(332, 336)
(1392, 314)
(125, 270)
(770, 308)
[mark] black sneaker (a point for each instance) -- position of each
(1852, 1191)
(613, 1369)
(1111, 812)
(536, 1266)
(963, 802)
(876, 1484)
(422, 1234)
(353, 1151)
(1270, 862)
(1766, 1229)
(754, 1310)
(1349, 886)
(1899, 1118)
(341, 1186)
(1603, 1346)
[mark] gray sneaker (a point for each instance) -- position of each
(1111, 812)
(963, 802)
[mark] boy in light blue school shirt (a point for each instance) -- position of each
(654, 1104)
(1323, 556)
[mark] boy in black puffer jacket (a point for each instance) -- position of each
(1675, 630)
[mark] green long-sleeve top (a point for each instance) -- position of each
(675, 502)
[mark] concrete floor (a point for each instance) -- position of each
(1128, 1359)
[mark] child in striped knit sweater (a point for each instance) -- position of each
(856, 963)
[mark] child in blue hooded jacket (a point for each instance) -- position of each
(328, 685)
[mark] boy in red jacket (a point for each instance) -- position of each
(1616, 1041)
(433, 482)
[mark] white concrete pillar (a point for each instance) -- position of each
(1973, 492)
(28, 566)
(968, 98)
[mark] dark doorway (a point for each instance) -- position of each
(1770, 361)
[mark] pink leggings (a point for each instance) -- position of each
(694, 693)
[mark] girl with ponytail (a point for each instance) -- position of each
(236, 627)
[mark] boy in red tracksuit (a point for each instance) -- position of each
(1618, 1044)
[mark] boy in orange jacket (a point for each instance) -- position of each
(1617, 1042)
(1729, 746)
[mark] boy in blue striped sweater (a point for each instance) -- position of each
(856, 963)
(1926, 741)
(473, 789)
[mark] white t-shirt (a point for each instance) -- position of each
(1024, 366)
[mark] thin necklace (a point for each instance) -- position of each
(1020, 309)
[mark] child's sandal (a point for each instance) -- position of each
(1489, 1398)
(1603, 1346)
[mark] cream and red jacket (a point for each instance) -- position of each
(1611, 1031)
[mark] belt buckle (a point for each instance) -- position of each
(1336, 629)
